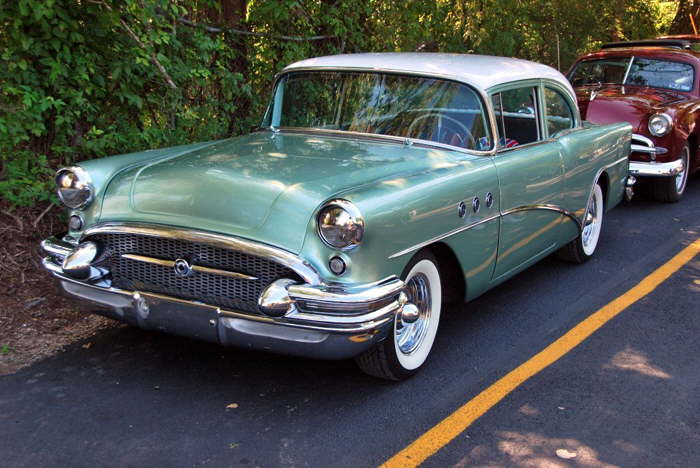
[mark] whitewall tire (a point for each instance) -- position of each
(583, 247)
(408, 345)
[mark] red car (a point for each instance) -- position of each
(655, 86)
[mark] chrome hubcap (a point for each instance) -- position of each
(409, 336)
(591, 221)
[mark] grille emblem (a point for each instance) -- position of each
(182, 268)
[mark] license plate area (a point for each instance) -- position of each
(179, 318)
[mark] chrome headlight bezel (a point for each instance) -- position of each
(74, 187)
(340, 224)
(665, 120)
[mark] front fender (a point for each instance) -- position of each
(405, 212)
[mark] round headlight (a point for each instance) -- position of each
(660, 124)
(73, 187)
(340, 224)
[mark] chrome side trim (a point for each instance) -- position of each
(300, 266)
(546, 207)
(203, 269)
(443, 236)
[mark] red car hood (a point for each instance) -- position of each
(615, 103)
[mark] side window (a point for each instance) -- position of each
(559, 114)
(516, 116)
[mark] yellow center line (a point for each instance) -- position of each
(457, 422)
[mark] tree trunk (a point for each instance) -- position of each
(681, 22)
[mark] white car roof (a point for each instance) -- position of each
(481, 71)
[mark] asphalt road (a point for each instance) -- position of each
(627, 396)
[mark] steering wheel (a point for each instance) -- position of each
(446, 133)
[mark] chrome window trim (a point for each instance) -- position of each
(502, 150)
(288, 259)
(573, 110)
(538, 115)
(377, 136)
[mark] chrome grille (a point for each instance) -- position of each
(219, 290)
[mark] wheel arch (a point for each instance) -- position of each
(455, 286)
(693, 145)
(604, 181)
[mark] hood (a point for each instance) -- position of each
(615, 103)
(257, 186)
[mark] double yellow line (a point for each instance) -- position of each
(456, 423)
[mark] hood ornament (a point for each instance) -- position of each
(594, 93)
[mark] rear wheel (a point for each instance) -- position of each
(408, 345)
(581, 249)
(670, 189)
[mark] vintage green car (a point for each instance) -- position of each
(378, 188)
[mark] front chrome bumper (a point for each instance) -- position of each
(324, 321)
(656, 169)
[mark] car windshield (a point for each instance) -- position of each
(420, 108)
(642, 72)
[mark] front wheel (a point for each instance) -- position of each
(408, 345)
(670, 189)
(581, 249)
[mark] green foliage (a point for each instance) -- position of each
(88, 78)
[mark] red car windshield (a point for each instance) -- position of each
(637, 71)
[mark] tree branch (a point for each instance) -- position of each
(215, 29)
(132, 34)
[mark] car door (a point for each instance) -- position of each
(530, 173)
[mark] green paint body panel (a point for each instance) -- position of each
(267, 187)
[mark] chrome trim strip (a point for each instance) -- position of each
(546, 207)
(300, 266)
(203, 269)
(443, 236)
(654, 169)
(404, 141)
